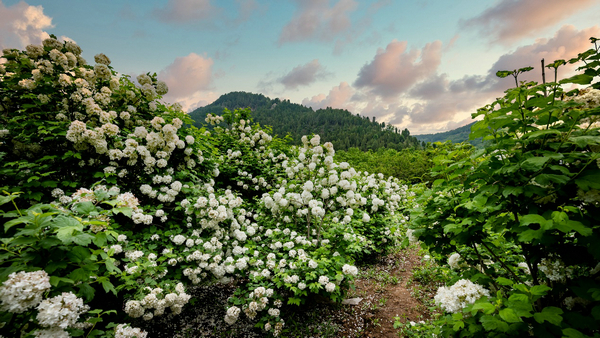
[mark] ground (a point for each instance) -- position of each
(396, 287)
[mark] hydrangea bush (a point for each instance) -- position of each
(518, 220)
(97, 169)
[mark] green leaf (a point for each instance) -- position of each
(55, 265)
(458, 325)
(532, 219)
(488, 308)
(79, 274)
(82, 239)
(589, 180)
(100, 239)
(66, 227)
(539, 290)
(596, 312)
(504, 281)
(516, 191)
(86, 291)
(51, 184)
(578, 79)
(85, 208)
(6, 199)
(79, 254)
(584, 141)
(572, 333)
(492, 323)
(503, 73)
(55, 280)
(541, 133)
(509, 315)
(13, 222)
(125, 211)
(549, 314)
(294, 300)
(534, 163)
(108, 286)
(544, 179)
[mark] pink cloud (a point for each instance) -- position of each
(188, 77)
(338, 97)
(21, 25)
(396, 69)
(566, 43)
(303, 75)
(316, 20)
(437, 102)
(511, 20)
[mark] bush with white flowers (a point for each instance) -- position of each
(97, 169)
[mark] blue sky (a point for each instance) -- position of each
(421, 65)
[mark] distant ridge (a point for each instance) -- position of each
(338, 126)
(457, 135)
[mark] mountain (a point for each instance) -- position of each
(456, 136)
(338, 126)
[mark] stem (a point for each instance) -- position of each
(16, 207)
(501, 262)
(544, 78)
(482, 266)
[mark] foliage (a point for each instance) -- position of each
(520, 216)
(343, 129)
(409, 165)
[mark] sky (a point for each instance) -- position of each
(422, 65)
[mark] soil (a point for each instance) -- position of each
(399, 299)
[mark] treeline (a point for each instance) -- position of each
(457, 135)
(410, 165)
(340, 127)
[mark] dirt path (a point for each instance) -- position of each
(388, 290)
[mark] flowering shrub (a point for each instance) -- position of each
(120, 198)
(519, 218)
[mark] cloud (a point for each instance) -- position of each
(316, 20)
(566, 43)
(303, 75)
(21, 25)
(399, 87)
(189, 78)
(186, 12)
(339, 97)
(510, 20)
(396, 69)
(439, 101)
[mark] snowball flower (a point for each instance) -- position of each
(62, 310)
(454, 261)
(458, 296)
(23, 290)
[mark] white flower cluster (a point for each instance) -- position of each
(126, 331)
(350, 270)
(23, 290)
(454, 261)
(158, 301)
(555, 269)
(213, 119)
(458, 296)
(411, 236)
(61, 311)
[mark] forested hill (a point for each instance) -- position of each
(456, 136)
(338, 126)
